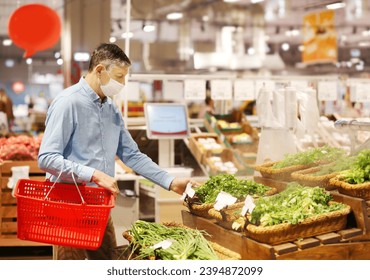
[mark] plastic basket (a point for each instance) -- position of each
(62, 214)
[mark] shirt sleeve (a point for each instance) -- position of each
(130, 154)
(58, 132)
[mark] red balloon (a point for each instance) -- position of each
(34, 28)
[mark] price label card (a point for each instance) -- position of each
(189, 191)
(195, 89)
(224, 199)
(363, 92)
(248, 205)
(352, 93)
(173, 90)
(221, 89)
(163, 244)
(327, 91)
(244, 90)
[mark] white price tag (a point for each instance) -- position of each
(248, 205)
(195, 89)
(163, 244)
(224, 199)
(221, 89)
(363, 92)
(327, 91)
(189, 191)
(244, 90)
(173, 90)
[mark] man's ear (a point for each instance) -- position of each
(99, 68)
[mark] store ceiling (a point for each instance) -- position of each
(278, 17)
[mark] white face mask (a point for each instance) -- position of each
(112, 87)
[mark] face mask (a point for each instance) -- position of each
(111, 88)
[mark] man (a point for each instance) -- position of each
(85, 131)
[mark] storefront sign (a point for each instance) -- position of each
(195, 89)
(244, 90)
(221, 89)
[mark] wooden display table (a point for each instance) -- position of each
(352, 243)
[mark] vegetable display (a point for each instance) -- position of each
(21, 147)
(337, 166)
(292, 205)
(312, 155)
(360, 169)
(208, 192)
(185, 244)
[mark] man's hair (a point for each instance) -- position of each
(108, 55)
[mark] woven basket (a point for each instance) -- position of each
(222, 252)
(312, 226)
(227, 216)
(281, 174)
(198, 209)
(305, 178)
(356, 190)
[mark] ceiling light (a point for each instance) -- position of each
(251, 51)
(9, 63)
(127, 35)
(81, 56)
(29, 61)
(148, 27)
(7, 42)
(205, 18)
(57, 55)
(285, 46)
(231, 1)
(337, 5)
(256, 1)
(59, 61)
(112, 39)
(174, 16)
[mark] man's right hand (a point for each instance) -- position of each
(105, 181)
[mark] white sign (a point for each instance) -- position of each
(163, 244)
(173, 90)
(248, 205)
(327, 91)
(195, 89)
(224, 199)
(299, 84)
(244, 90)
(363, 92)
(189, 191)
(221, 89)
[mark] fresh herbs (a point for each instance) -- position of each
(186, 244)
(312, 155)
(337, 166)
(292, 205)
(360, 170)
(207, 193)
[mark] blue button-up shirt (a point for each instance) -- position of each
(84, 134)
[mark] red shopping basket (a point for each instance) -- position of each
(62, 214)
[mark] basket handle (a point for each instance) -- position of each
(74, 180)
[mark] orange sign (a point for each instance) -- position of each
(319, 38)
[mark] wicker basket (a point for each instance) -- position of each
(197, 208)
(312, 226)
(281, 174)
(227, 216)
(305, 178)
(356, 190)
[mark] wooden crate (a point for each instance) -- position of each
(196, 149)
(8, 203)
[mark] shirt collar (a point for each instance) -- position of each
(89, 91)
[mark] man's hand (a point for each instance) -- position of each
(178, 185)
(105, 181)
